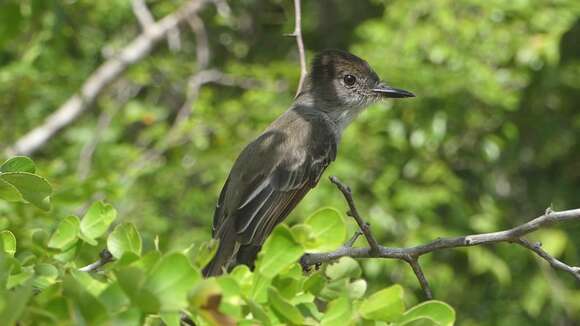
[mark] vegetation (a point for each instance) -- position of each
(490, 141)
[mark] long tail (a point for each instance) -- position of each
(228, 247)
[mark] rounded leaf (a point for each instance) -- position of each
(124, 238)
(66, 234)
(97, 220)
(385, 305)
(439, 312)
(279, 251)
(327, 230)
(338, 312)
(18, 164)
(171, 279)
(33, 188)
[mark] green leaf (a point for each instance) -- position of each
(338, 312)
(90, 310)
(124, 238)
(8, 192)
(171, 279)
(328, 230)
(33, 189)
(46, 275)
(19, 297)
(385, 305)
(439, 312)
(284, 309)
(18, 164)
(131, 280)
(9, 242)
(66, 234)
(346, 267)
(97, 220)
(315, 283)
(258, 312)
(357, 289)
(279, 251)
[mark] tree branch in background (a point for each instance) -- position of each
(143, 14)
(103, 76)
(411, 254)
(300, 43)
(202, 53)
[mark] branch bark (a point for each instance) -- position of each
(411, 254)
(300, 44)
(103, 76)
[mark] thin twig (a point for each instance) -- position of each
(202, 52)
(555, 263)
(105, 258)
(300, 43)
(414, 262)
(353, 212)
(355, 237)
(412, 254)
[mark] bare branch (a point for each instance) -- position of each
(353, 212)
(412, 254)
(414, 262)
(300, 43)
(555, 263)
(103, 76)
(143, 14)
(201, 41)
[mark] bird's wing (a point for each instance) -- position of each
(278, 193)
(270, 190)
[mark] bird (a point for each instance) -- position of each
(274, 172)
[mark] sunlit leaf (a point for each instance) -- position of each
(124, 238)
(279, 251)
(9, 242)
(385, 305)
(171, 279)
(33, 188)
(438, 312)
(18, 164)
(66, 234)
(328, 230)
(338, 312)
(97, 220)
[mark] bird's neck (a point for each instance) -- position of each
(340, 116)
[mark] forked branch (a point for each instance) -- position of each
(411, 254)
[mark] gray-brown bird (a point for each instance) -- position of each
(276, 170)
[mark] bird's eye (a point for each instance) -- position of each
(349, 80)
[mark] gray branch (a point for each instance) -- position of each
(300, 44)
(412, 254)
(103, 76)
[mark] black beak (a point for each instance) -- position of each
(390, 92)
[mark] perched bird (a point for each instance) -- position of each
(276, 170)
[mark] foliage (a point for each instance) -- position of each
(490, 141)
(156, 287)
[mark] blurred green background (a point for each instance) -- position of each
(490, 141)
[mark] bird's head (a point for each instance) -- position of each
(341, 79)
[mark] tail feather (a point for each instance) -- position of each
(228, 247)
